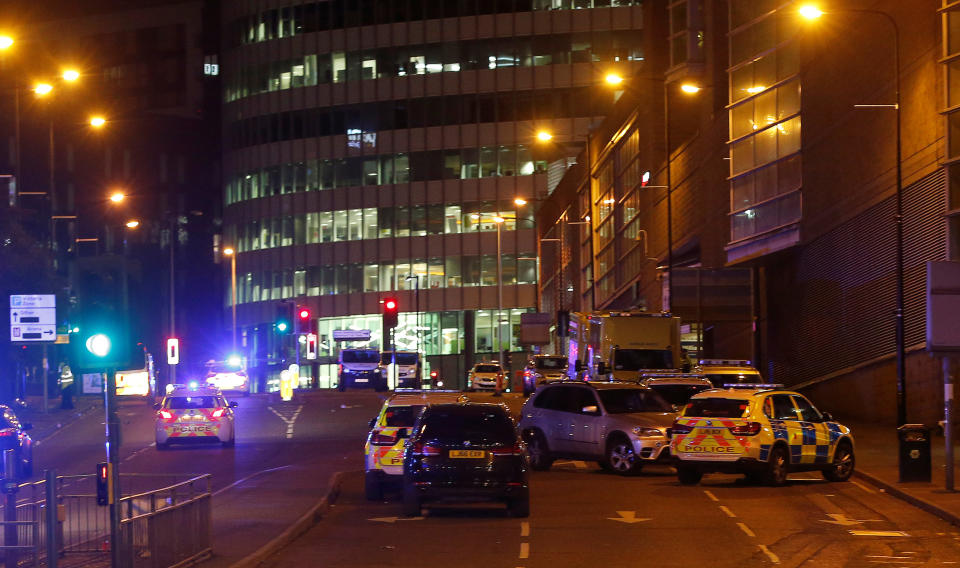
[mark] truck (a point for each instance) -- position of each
(618, 345)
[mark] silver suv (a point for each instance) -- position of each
(675, 388)
(542, 369)
(621, 425)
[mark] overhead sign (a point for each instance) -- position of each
(33, 317)
(351, 335)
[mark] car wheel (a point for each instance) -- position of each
(843, 463)
(621, 458)
(539, 452)
(411, 501)
(776, 474)
(519, 507)
(373, 487)
(689, 475)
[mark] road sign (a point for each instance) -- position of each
(33, 317)
(173, 351)
(351, 335)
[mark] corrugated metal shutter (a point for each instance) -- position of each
(846, 281)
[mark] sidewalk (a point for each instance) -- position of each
(56, 418)
(877, 453)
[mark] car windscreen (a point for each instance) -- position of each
(623, 401)
(402, 416)
(479, 426)
(187, 402)
(720, 379)
(636, 359)
(406, 358)
(551, 363)
(360, 356)
(487, 369)
(716, 408)
(678, 394)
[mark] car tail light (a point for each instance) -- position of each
(380, 438)
(514, 450)
(219, 412)
(748, 429)
(166, 415)
(421, 449)
(6, 433)
(679, 428)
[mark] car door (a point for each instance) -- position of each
(551, 416)
(786, 425)
(816, 435)
(583, 432)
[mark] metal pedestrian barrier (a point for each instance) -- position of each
(165, 521)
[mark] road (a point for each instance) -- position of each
(580, 515)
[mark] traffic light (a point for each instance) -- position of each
(103, 339)
(311, 346)
(284, 322)
(390, 313)
(303, 314)
(173, 351)
(103, 484)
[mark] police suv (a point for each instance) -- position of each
(760, 431)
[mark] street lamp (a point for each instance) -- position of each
(499, 221)
(117, 197)
(6, 42)
(97, 121)
(70, 75)
(811, 12)
(228, 251)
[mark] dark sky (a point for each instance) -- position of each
(25, 11)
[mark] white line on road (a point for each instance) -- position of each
(524, 550)
(878, 533)
(727, 511)
(524, 529)
(249, 477)
(711, 495)
(288, 421)
(746, 529)
(862, 486)
(773, 557)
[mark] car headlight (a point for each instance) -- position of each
(647, 432)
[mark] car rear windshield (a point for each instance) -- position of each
(552, 363)
(464, 424)
(636, 359)
(186, 402)
(406, 358)
(678, 394)
(716, 407)
(402, 416)
(623, 401)
(360, 356)
(487, 369)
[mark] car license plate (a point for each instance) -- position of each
(468, 454)
(359, 380)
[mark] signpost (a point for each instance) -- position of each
(33, 318)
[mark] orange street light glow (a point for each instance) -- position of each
(70, 75)
(133, 224)
(544, 136)
(613, 79)
(810, 12)
(97, 121)
(520, 201)
(117, 197)
(42, 89)
(6, 42)
(689, 88)
(228, 251)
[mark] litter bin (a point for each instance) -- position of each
(914, 452)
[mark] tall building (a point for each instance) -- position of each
(375, 149)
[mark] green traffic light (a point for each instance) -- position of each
(98, 344)
(281, 326)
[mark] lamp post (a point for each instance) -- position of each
(228, 251)
(812, 12)
(416, 281)
(499, 221)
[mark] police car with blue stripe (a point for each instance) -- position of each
(761, 431)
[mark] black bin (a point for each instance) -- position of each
(914, 452)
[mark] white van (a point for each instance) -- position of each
(360, 368)
(408, 372)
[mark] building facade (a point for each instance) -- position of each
(374, 149)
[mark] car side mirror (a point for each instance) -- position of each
(827, 417)
(373, 422)
(233, 404)
(403, 433)
(26, 426)
(592, 409)
(156, 406)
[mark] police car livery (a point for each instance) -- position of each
(190, 414)
(383, 451)
(729, 371)
(764, 433)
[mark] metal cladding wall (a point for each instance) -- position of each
(831, 304)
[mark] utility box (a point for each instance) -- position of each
(914, 449)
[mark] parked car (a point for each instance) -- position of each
(463, 452)
(484, 376)
(13, 436)
(728, 371)
(620, 425)
(541, 369)
(676, 388)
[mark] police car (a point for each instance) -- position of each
(388, 433)
(191, 414)
(728, 371)
(761, 431)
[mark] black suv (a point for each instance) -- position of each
(465, 452)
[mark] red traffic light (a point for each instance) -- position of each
(304, 313)
(390, 304)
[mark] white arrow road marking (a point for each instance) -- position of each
(878, 533)
(288, 421)
(394, 519)
(628, 517)
(842, 520)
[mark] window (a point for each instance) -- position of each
(806, 410)
(783, 408)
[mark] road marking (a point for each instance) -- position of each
(579, 464)
(395, 519)
(288, 421)
(524, 529)
(862, 486)
(628, 517)
(524, 550)
(727, 511)
(840, 519)
(878, 533)
(711, 495)
(249, 477)
(773, 557)
(746, 529)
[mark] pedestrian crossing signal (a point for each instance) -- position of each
(103, 484)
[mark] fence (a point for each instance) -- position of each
(159, 528)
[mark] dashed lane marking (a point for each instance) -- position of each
(524, 550)
(862, 486)
(879, 533)
(773, 557)
(524, 529)
(746, 529)
(727, 511)
(711, 495)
